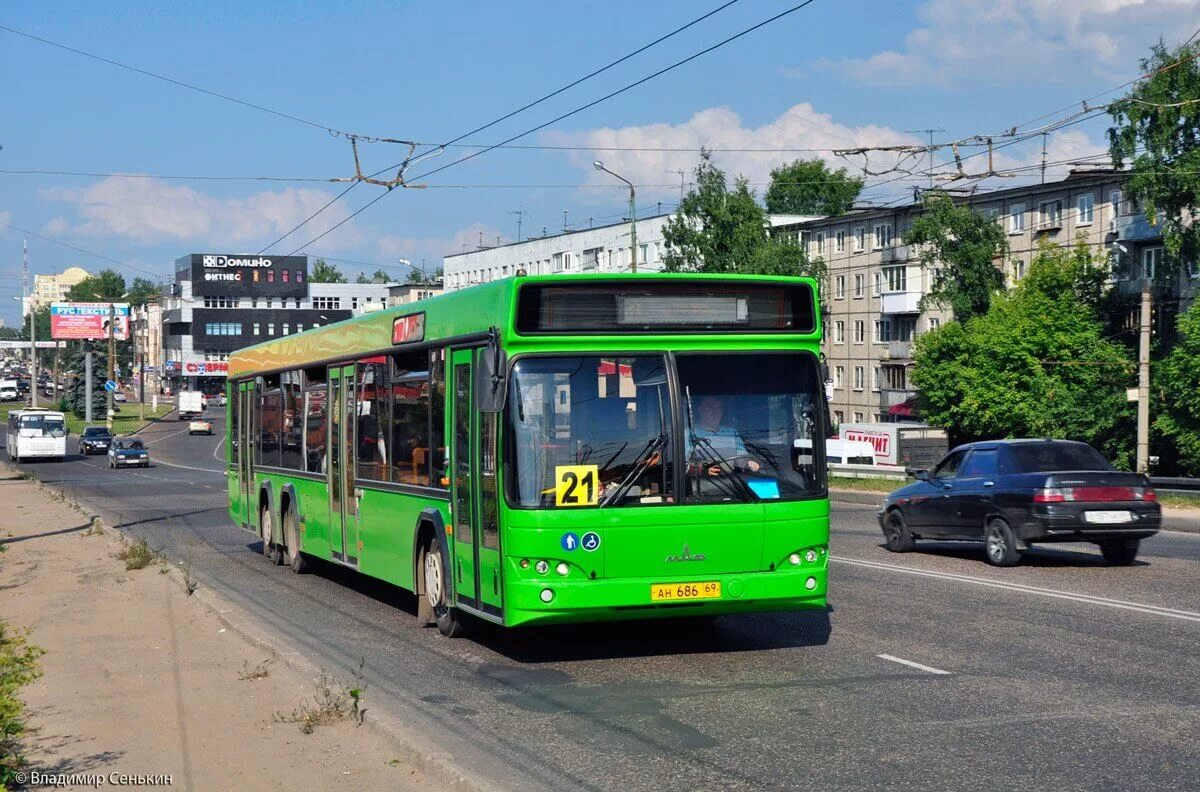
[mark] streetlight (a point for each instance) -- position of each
(632, 214)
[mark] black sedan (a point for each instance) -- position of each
(95, 440)
(1010, 494)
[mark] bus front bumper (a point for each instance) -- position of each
(582, 600)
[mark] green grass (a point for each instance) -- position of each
(18, 667)
(124, 422)
(866, 485)
(1179, 500)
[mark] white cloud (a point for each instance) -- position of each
(799, 127)
(965, 42)
(154, 211)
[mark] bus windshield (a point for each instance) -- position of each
(43, 426)
(596, 431)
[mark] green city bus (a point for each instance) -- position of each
(549, 449)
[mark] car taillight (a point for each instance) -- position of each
(1053, 495)
(1145, 494)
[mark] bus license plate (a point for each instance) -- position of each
(672, 592)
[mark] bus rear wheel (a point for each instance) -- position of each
(450, 621)
(291, 534)
(270, 548)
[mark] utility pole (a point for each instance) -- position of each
(928, 132)
(25, 305)
(682, 174)
(1044, 157)
(1143, 414)
(141, 342)
(112, 360)
(54, 382)
(87, 382)
(564, 221)
(598, 165)
(520, 213)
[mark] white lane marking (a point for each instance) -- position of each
(1153, 610)
(220, 444)
(911, 664)
(164, 437)
(188, 467)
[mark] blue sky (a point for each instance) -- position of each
(837, 73)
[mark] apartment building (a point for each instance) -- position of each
(601, 249)
(875, 282)
(53, 288)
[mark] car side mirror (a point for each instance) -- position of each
(918, 474)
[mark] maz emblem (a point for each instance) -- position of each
(686, 555)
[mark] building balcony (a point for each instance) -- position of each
(890, 397)
(894, 254)
(897, 350)
(900, 302)
(1136, 228)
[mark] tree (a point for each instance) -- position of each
(105, 286)
(324, 272)
(1177, 379)
(379, 276)
(77, 389)
(1156, 128)
(1036, 364)
(810, 187)
(965, 244)
(142, 290)
(719, 230)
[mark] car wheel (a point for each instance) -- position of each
(1120, 552)
(1000, 544)
(271, 548)
(450, 621)
(896, 534)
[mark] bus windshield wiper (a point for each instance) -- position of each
(739, 484)
(639, 466)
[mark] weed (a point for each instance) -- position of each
(260, 671)
(333, 702)
(96, 528)
(189, 579)
(138, 555)
(25, 474)
(18, 667)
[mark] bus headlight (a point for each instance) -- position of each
(810, 584)
(810, 556)
(562, 568)
(794, 559)
(542, 568)
(547, 595)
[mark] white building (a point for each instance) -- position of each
(599, 249)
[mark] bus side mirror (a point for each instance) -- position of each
(491, 384)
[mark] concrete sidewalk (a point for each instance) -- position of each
(141, 678)
(1186, 520)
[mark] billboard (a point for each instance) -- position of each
(244, 275)
(88, 321)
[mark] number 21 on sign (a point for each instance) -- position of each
(576, 485)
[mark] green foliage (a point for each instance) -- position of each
(1036, 364)
(419, 277)
(720, 230)
(1156, 129)
(809, 187)
(379, 276)
(324, 272)
(142, 290)
(105, 286)
(1177, 382)
(18, 667)
(77, 388)
(965, 244)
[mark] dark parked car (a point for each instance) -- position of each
(1010, 494)
(128, 451)
(95, 440)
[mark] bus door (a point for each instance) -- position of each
(343, 498)
(243, 431)
(476, 561)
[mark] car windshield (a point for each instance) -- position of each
(589, 431)
(130, 445)
(750, 421)
(93, 431)
(1039, 457)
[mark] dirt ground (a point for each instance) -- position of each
(142, 679)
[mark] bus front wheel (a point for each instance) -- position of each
(449, 620)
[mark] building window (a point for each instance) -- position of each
(858, 378)
(858, 417)
(883, 235)
(934, 323)
(1049, 214)
(270, 276)
(270, 328)
(257, 328)
(287, 328)
(1086, 206)
(895, 278)
(1016, 218)
(860, 239)
(253, 302)
(353, 303)
(839, 241)
(992, 213)
(839, 372)
(883, 331)
(876, 377)
(284, 275)
(299, 276)
(859, 331)
(1151, 259)
(839, 287)
(223, 328)
(220, 302)
(839, 417)
(860, 286)
(839, 332)
(1018, 270)
(327, 303)
(818, 243)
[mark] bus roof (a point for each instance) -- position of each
(460, 314)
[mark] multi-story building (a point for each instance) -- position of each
(405, 293)
(220, 303)
(53, 288)
(600, 249)
(145, 328)
(873, 297)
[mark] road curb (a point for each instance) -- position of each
(423, 753)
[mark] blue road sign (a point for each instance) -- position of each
(591, 540)
(569, 541)
(109, 385)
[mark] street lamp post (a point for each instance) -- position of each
(633, 246)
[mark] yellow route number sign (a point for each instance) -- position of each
(576, 485)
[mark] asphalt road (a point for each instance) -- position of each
(932, 670)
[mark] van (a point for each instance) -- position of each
(838, 452)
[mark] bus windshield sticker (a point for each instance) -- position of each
(576, 485)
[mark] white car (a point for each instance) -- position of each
(200, 426)
(120, 397)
